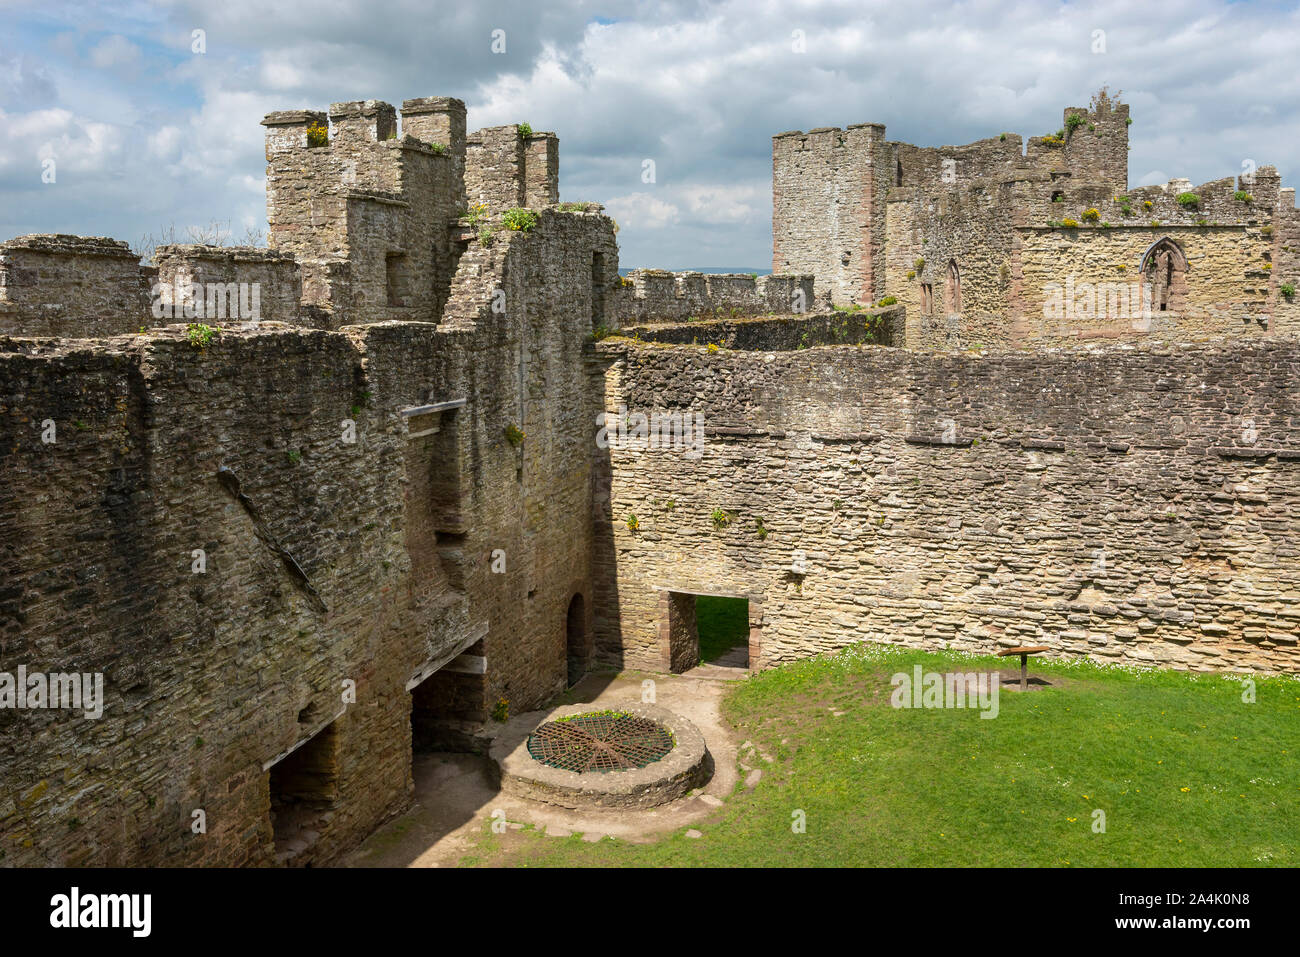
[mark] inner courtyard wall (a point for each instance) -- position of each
(1131, 506)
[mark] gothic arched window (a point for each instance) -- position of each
(953, 288)
(1163, 269)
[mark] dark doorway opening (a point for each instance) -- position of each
(304, 792)
(447, 705)
(575, 629)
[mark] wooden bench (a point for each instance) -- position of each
(1024, 652)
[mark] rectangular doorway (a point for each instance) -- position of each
(717, 631)
(722, 627)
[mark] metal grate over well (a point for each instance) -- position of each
(600, 741)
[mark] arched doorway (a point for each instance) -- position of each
(575, 628)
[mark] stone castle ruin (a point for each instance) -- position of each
(428, 457)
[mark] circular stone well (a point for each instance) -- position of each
(578, 756)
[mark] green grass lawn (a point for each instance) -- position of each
(1186, 773)
(722, 623)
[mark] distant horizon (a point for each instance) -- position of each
(711, 270)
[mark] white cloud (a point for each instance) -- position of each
(642, 211)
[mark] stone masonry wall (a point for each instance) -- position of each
(74, 286)
(213, 269)
(656, 295)
(326, 560)
(781, 333)
(1133, 506)
(827, 218)
(830, 188)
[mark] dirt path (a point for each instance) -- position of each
(455, 793)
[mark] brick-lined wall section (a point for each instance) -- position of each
(1135, 506)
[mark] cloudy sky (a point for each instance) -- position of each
(147, 133)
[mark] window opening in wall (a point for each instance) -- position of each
(597, 290)
(397, 269)
(954, 287)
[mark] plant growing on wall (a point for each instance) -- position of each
(520, 220)
(1147, 205)
(761, 530)
(200, 335)
(1189, 200)
(501, 710)
(475, 214)
(514, 435)
(633, 523)
(318, 135)
(1069, 223)
(525, 129)
(439, 148)
(1091, 215)
(1074, 121)
(1242, 196)
(1287, 289)
(919, 264)
(888, 301)
(721, 518)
